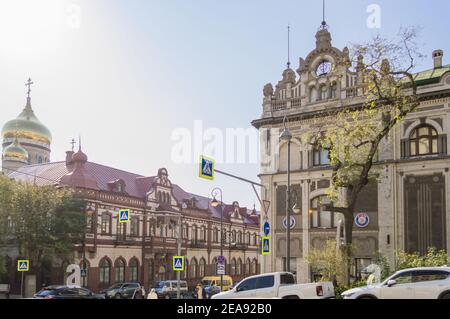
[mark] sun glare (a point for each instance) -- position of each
(30, 26)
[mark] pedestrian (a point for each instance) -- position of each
(200, 291)
(142, 292)
(152, 294)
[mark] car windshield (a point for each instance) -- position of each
(116, 286)
(161, 284)
(207, 282)
(46, 292)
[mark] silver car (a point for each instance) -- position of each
(414, 283)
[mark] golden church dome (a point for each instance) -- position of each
(16, 152)
(27, 126)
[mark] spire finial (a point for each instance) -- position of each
(289, 46)
(79, 142)
(324, 23)
(73, 142)
(29, 83)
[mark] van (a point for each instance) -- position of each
(215, 281)
(167, 289)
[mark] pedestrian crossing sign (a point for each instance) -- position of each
(124, 215)
(265, 245)
(23, 265)
(206, 169)
(178, 263)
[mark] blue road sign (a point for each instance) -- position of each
(266, 228)
(221, 260)
(206, 169)
(178, 263)
(84, 272)
(265, 245)
(124, 215)
(23, 265)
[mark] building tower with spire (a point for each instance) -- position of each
(25, 133)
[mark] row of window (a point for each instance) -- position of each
(119, 271)
(193, 232)
(193, 269)
(423, 141)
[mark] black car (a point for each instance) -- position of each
(66, 292)
(127, 290)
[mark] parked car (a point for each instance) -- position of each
(277, 285)
(414, 283)
(122, 291)
(215, 281)
(66, 292)
(168, 289)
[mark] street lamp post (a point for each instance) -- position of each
(287, 136)
(215, 203)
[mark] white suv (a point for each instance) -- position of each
(415, 283)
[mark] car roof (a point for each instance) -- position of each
(445, 268)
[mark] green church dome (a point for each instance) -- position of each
(16, 151)
(27, 126)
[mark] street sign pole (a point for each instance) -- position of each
(21, 286)
(179, 254)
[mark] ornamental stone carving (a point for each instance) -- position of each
(268, 90)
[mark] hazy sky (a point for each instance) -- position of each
(126, 74)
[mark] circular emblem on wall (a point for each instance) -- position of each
(362, 220)
(292, 226)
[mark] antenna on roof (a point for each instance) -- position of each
(324, 23)
(289, 47)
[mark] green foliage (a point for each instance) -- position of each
(433, 258)
(383, 262)
(330, 262)
(42, 222)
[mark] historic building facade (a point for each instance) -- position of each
(142, 249)
(409, 206)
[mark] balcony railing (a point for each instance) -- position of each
(198, 243)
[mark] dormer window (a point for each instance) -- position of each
(117, 186)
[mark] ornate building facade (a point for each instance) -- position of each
(408, 208)
(142, 250)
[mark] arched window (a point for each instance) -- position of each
(248, 241)
(133, 266)
(215, 235)
(248, 266)
(194, 233)
(239, 267)
(203, 233)
(119, 270)
(134, 226)
(201, 268)
(193, 269)
(239, 237)
(321, 156)
(233, 236)
(233, 267)
(90, 222)
(312, 95)
(255, 239)
(105, 271)
(333, 90)
(254, 266)
(185, 231)
(324, 92)
(423, 141)
(321, 218)
(106, 223)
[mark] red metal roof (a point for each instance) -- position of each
(135, 185)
